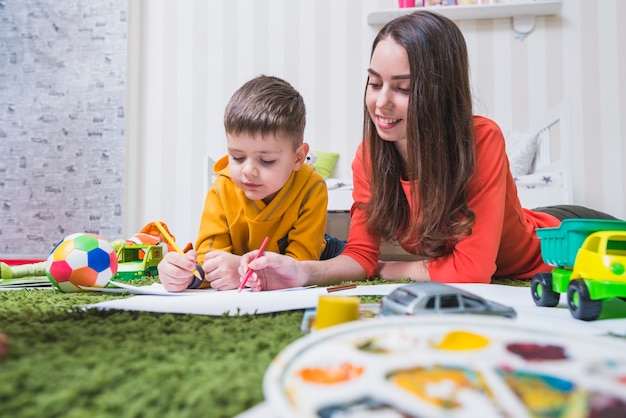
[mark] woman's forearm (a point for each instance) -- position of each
(335, 270)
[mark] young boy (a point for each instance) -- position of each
(264, 188)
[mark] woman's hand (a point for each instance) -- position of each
(221, 270)
(176, 270)
(272, 271)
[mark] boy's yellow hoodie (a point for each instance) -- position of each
(295, 220)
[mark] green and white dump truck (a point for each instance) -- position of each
(589, 256)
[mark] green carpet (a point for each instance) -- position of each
(66, 362)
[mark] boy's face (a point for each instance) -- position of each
(261, 165)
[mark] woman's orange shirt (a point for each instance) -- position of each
(503, 242)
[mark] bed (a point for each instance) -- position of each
(548, 178)
(540, 162)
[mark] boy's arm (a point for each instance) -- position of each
(213, 233)
(306, 237)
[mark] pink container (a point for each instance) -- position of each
(406, 3)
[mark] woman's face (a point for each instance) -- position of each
(387, 93)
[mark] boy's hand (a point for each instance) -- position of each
(220, 269)
(176, 270)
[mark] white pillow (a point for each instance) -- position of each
(521, 148)
(537, 180)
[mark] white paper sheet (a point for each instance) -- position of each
(232, 303)
(557, 319)
(217, 303)
(157, 289)
(211, 302)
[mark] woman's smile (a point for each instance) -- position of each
(386, 123)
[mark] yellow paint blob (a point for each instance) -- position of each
(441, 386)
(462, 340)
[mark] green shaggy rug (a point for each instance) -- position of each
(67, 362)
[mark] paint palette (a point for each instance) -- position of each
(448, 366)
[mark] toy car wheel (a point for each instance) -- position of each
(581, 306)
(541, 290)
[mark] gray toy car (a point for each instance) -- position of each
(438, 298)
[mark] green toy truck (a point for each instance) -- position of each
(589, 256)
(138, 260)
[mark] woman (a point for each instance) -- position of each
(428, 174)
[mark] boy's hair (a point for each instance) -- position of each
(267, 105)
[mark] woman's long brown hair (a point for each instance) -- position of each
(441, 141)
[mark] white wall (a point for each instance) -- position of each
(187, 57)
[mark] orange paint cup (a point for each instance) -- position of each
(335, 310)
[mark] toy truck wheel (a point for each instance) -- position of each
(541, 290)
(581, 306)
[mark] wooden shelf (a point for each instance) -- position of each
(522, 13)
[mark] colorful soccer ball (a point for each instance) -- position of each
(81, 259)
